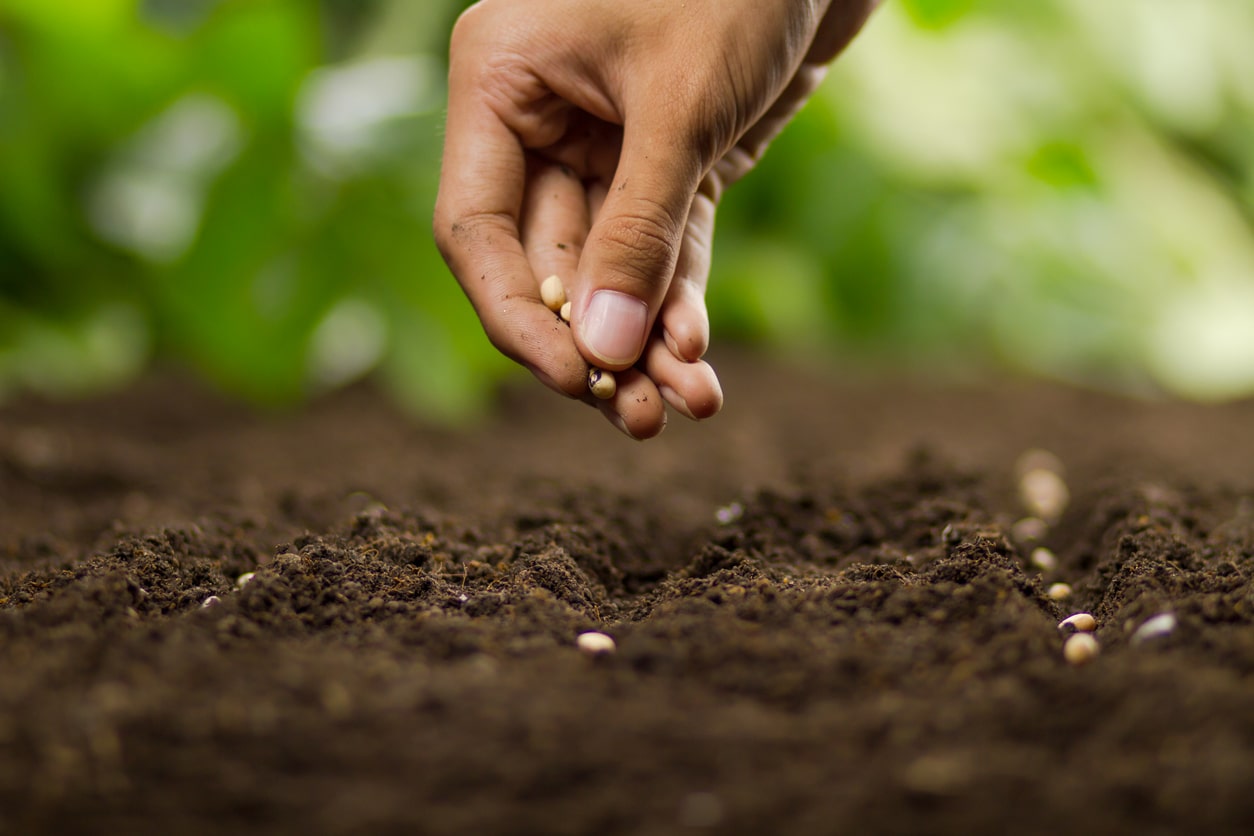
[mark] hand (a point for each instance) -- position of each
(593, 139)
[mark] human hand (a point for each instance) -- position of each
(592, 139)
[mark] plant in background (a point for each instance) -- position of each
(245, 187)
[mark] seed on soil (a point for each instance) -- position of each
(1163, 624)
(602, 383)
(243, 579)
(1038, 459)
(1081, 648)
(211, 601)
(1029, 530)
(1043, 559)
(1081, 622)
(552, 293)
(1044, 494)
(593, 643)
(1059, 591)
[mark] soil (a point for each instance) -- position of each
(826, 618)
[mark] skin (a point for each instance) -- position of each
(593, 139)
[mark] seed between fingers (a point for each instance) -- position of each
(552, 293)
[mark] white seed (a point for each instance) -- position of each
(564, 313)
(1081, 622)
(602, 383)
(1029, 530)
(1163, 624)
(1038, 459)
(593, 643)
(1043, 559)
(1081, 649)
(243, 579)
(1059, 591)
(1044, 494)
(211, 601)
(552, 293)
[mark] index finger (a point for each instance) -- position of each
(482, 183)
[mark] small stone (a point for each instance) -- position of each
(1059, 591)
(1043, 559)
(211, 601)
(1080, 649)
(1163, 624)
(1081, 622)
(729, 513)
(593, 643)
(243, 579)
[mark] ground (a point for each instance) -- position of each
(826, 619)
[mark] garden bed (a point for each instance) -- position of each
(826, 620)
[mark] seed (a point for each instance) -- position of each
(552, 293)
(1043, 559)
(211, 601)
(564, 313)
(1059, 591)
(1081, 649)
(1163, 624)
(1044, 494)
(1029, 530)
(1081, 622)
(1038, 459)
(602, 383)
(243, 579)
(593, 643)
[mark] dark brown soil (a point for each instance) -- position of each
(862, 650)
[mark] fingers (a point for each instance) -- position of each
(554, 221)
(632, 248)
(684, 320)
(690, 388)
(637, 408)
(477, 229)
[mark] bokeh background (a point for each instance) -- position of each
(244, 187)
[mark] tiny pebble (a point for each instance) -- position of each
(1081, 622)
(593, 643)
(602, 383)
(552, 293)
(1163, 624)
(1043, 559)
(1059, 591)
(564, 313)
(211, 601)
(1081, 648)
(243, 579)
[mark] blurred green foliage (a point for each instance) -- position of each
(245, 186)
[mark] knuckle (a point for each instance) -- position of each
(644, 243)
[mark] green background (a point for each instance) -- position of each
(1059, 187)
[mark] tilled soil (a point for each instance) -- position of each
(827, 619)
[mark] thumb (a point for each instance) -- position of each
(629, 256)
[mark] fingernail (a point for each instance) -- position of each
(613, 327)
